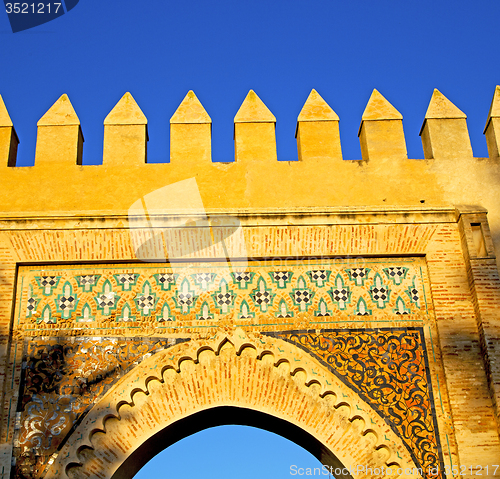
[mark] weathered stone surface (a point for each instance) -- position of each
(381, 120)
(126, 112)
(125, 134)
(344, 298)
(60, 113)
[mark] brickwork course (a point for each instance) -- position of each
(350, 306)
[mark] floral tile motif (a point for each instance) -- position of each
(319, 276)
(264, 291)
(87, 281)
(340, 294)
(302, 295)
(224, 298)
(358, 275)
(262, 296)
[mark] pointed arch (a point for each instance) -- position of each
(180, 390)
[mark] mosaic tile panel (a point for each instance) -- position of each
(61, 380)
(388, 368)
(259, 291)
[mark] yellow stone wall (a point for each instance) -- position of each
(439, 216)
(448, 176)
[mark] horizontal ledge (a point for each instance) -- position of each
(206, 122)
(255, 121)
(369, 120)
(248, 217)
(438, 119)
(470, 209)
(316, 120)
(299, 163)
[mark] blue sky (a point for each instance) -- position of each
(232, 452)
(158, 50)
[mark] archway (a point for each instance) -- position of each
(224, 452)
(246, 378)
(220, 416)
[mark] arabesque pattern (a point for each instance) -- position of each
(388, 368)
(233, 369)
(62, 379)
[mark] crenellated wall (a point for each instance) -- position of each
(345, 251)
(448, 176)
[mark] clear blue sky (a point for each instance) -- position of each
(231, 452)
(158, 50)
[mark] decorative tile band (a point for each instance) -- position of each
(205, 293)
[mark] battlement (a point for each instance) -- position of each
(448, 175)
(117, 294)
(444, 132)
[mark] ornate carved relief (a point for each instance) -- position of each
(231, 369)
(62, 379)
(389, 369)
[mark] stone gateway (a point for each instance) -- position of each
(352, 306)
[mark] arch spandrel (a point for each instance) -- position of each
(253, 372)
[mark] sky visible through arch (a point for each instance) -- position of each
(236, 452)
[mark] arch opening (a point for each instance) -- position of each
(222, 416)
(267, 384)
